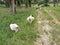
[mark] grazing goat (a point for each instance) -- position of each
(30, 19)
(14, 27)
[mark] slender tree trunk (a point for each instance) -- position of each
(7, 3)
(26, 3)
(29, 3)
(46, 2)
(54, 1)
(12, 7)
(57, 2)
(19, 2)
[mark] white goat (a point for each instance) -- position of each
(14, 27)
(30, 19)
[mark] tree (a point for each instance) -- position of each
(40, 2)
(12, 7)
(29, 3)
(55, 2)
(7, 3)
(1, 2)
(46, 2)
(18, 2)
(26, 3)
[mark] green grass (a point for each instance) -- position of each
(26, 34)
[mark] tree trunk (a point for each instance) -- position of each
(46, 2)
(26, 3)
(7, 3)
(54, 1)
(12, 7)
(29, 3)
(57, 2)
(19, 2)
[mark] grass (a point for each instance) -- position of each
(26, 34)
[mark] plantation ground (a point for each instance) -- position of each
(27, 33)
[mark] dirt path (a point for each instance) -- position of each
(55, 20)
(44, 30)
(51, 13)
(38, 40)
